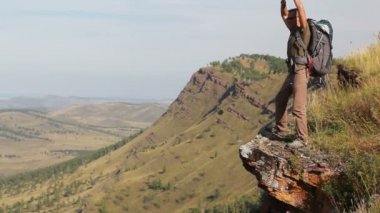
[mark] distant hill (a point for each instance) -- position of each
(51, 102)
(30, 139)
(112, 114)
(186, 161)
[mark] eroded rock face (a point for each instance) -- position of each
(291, 178)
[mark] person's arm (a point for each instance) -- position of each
(301, 13)
(284, 10)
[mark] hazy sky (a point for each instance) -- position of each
(150, 48)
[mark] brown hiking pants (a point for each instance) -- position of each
(296, 84)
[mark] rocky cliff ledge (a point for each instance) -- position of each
(291, 179)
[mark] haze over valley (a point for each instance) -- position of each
(32, 138)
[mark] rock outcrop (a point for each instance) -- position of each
(292, 179)
(236, 87)
(348, 77)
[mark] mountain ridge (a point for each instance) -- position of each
(187, 161)
(173, 165)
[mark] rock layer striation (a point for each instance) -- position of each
(291, 179)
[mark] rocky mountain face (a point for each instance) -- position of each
(186, 159)
(292, 179)
(192, 147)
(209, 95)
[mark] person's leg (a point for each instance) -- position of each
(299, 105)
(282, 99)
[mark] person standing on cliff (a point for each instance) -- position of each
(296, 81)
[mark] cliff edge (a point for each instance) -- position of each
(291, 179)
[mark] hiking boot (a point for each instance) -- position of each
(279, 135)
(297, 143)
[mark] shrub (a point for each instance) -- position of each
(158, 185)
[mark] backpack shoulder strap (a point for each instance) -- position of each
(300, 42)
(301, 59)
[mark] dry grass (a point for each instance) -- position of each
(367, 60)
(31, 139)
(346, 122)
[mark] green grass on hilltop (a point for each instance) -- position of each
(255, 66)
(346, 123)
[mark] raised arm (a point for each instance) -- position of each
(284, 10)
(301, 13)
